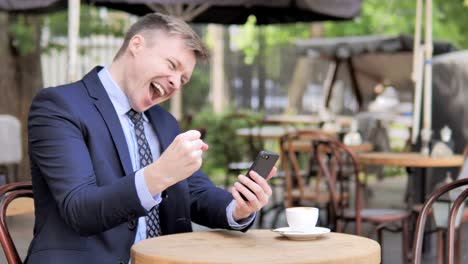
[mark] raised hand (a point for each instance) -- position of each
(180, 160)
(256, 199)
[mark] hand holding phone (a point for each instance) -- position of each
(263, 164)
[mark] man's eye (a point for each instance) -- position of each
(172, 65)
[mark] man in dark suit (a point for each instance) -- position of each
(110, 167)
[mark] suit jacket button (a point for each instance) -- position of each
(132, 224)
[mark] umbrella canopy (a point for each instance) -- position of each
(214, 11)
(374, 59)
(237, 11)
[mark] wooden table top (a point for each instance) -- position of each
(306, 119)
(265, 132)
(412, 159)
(273, 132)
(305, 146)
(255, 246)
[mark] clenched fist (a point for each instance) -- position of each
(180, 160)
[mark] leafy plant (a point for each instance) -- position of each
(23, 36)
(224, 144)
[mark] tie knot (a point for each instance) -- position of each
(135, 116)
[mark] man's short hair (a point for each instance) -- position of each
(169, 24)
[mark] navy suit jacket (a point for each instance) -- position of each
(84, 188)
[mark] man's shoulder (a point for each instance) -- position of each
(66, 90)
(72, 89)
(91, 76)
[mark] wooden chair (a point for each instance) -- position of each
(8, 193)
(440, 232)
(340, 167)
(294, 146)
(293, 178)
(426, 211)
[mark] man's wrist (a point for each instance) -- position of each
(241, 223)
(155, 184)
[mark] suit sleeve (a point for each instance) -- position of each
(58, 148)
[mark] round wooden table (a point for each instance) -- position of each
(255, 246)
(412, 159)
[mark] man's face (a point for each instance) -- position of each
(159, 65)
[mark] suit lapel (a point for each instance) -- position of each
(107, 111)
(158, 124)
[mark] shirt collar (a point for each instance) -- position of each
(117, 96)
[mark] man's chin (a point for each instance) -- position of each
(160, 100)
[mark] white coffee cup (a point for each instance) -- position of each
(302, 219)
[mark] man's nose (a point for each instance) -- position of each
(175, 82)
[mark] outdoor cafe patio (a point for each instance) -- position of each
(369, 128)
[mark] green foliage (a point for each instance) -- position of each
(195, 93)
(398, 16)
(23, 36)
(206, 121)
(91, 22)
(377, 17)
(248, 39)
(224, 145)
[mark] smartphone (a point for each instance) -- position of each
(263, 164)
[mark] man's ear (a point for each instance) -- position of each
(135, 44)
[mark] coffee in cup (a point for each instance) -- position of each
(302, 219)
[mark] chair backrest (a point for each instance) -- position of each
(8, 193)
(293, 145)
(425, 211)
(340, 167)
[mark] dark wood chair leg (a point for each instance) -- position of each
(440, 246)
(457, 246)
(380, 240)
(405, 242)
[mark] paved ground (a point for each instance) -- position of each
(388, 192)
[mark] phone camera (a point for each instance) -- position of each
(266, 156)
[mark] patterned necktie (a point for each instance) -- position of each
(152, 219)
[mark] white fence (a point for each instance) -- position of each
(94, 50)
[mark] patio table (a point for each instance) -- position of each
(344, 121)
(255, 246)
(411, 160)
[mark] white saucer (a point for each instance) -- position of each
(299, 235)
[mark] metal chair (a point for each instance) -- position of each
(426, 211)
(10, 144)
(440, 232)
(8, 193)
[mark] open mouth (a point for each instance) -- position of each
(157, 88)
